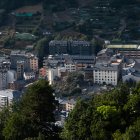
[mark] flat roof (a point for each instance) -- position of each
(8, 93)
(127, 46)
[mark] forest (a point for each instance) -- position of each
(113, 115)
(12, 4)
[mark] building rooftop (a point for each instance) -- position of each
(9, 93)
(126, 46)
(106, 67)
(71, 101)
(29, 73)
(18, 52)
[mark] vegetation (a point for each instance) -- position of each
(32, 117)
(71, 85)
(42, 48)
(112, 115)
(9, 5)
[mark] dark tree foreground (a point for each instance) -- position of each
(34, 115)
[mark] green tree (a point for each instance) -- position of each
(77, 127)
(34, 114)
(42, 48)
(107, 111)
(133, 132)
(4, 116)
(96, 46)
(104, 117)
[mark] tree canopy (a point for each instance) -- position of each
(33, 116)
(111, 115)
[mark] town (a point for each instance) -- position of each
(113, 64)
(69, 70)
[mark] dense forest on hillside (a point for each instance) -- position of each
(109, 19)
(12, 4)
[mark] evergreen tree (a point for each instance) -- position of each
(34, 116)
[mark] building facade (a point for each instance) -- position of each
(70, 104)
(29, 75)
(33, 63)
(29, 59)
(8, 96)
(20, 70)
(52, 73)
(70, 47)
(4, 68)
(106, 74)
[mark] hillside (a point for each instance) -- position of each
(110, 19)
(115, 20)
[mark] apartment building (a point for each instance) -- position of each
(8, 96)
(33, 63)
(18, 55)
(20, 70)
(52, 73)
(70, 104)
(29, 75)
(3, 80)
(29, 59)
(58, 47)
(80, 48)
(79, 61)
(4, 68)
(66, 105)
(70, 67)
(69, 47)
(107, 68)
(106, 74)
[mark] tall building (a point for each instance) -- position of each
(17, 55)
(11, 76)
(3, 79)
(29, 59)
(20, 70)
(52, 73)
(4, 67)
(33, 63)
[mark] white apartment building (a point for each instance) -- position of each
(8, 96)
(51, 74)
(106, 74)
(70, 104)
(3, 101)
(29, 75)
(70, 67)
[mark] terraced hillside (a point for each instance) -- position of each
(109, 19)
(115, 20)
